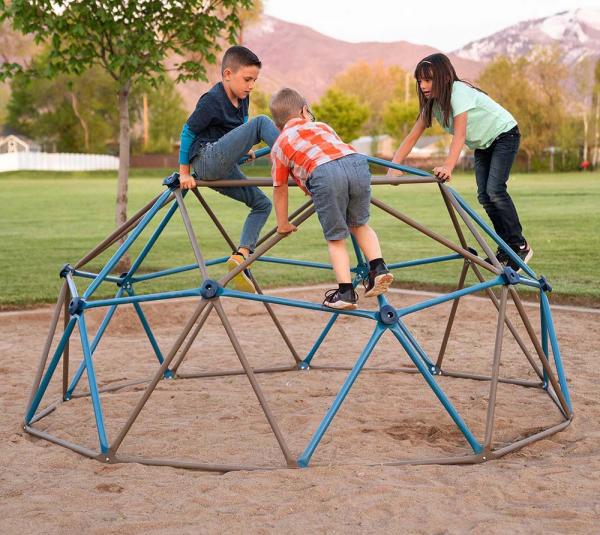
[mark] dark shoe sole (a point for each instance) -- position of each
(380, 285)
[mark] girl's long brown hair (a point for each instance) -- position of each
(437, 67)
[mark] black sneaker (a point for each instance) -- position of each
(379, 281)
(524, 252)
(501, 256)
(341, 300)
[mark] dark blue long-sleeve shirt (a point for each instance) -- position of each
(214, 116)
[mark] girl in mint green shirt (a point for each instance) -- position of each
(476, 120)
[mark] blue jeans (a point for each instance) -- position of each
(218, 161)
(492, 168)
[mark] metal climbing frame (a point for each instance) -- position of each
(72, 307)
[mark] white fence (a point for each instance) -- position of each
(59, 161)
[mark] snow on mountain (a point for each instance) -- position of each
(577, 32)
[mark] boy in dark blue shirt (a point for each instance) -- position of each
(218, 134)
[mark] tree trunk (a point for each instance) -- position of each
(585, 136)
(86, 132)
(596, 133)
(124, 140)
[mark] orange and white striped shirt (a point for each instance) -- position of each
(301, 147)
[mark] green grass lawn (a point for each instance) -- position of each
(49, 219)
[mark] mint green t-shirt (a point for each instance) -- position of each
(486, 119)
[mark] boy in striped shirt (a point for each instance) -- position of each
(339, 181)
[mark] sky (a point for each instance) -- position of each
(446, 25)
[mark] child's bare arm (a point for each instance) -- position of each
(280, 198)
(407, 145)
(444, 172)
(186, 180)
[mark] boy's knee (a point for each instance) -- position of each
(261, 119)
(263, 204)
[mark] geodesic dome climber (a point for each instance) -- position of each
(537, 345)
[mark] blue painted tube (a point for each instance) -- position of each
(105, 321)
(50, 371)
(87, 355)
(359, 256)
(492, 234)
(193, 292)
(498, 281)
(460, 423)
(258, 154)
(125, 246)
(423, 261)
(421, 352)
(544, 337)
(291, 262)
(89, 275)
(556, 350)
(337, 402)
(147, 328)
(155, 235)
(226, 292)
(525, 281)
(180, 269)
(392, 165)
(319, 340)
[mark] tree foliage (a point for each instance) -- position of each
(343, 112)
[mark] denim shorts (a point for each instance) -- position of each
(341, 193)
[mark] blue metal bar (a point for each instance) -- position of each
(525, 281)
(319, 340)
(359, 256)
(450, 296)
(423, 261)
(87, 355)
(417, 346)
(147, 328)
(555, 350)
(492, 234)
(291, 262)
(99, 333)
(226, 292)
(173, 271)
(125, 245)
(460, 423)
(258, 154)
(50, 371)
(193, 292)
(392, 165)
(337, 402)
(544, 337)
(89, 275)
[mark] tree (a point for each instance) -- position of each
(373, 85)
(343, 112)
(399, 116)
(129, 39)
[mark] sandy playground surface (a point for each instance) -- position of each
(551, 486)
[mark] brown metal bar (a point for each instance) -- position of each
(112, 388)
(490, 293)
(450, 323)
(489, 423)
(480, 377)
(294, 214)
(463, 459)
(268, 182)
(192, 338)
(65, 357)
(215, 220)
(433, 235)
(45, 412)
(190, 465)
(46, 350)
(255, 386)
(118, 233)
(157, 377)
(545, 364)
(465, 217)
(229, 373)
(65, 443)
(191, 234)
(529, 440)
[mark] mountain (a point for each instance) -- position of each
(577, 32)
(300, 57)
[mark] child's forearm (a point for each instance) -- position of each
(184, 169)
(458, 142)
(409, 142)
(280, 200)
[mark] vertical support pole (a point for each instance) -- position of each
(87, 355)
(65, 377)
(489, 424)
(339, 399)
(191, 234)
(544, 336)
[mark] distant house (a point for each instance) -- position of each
(16, 143)
(430, 147)
(383, 145)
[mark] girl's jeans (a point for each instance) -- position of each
(492, 168)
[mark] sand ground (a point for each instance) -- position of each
(551, 486)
